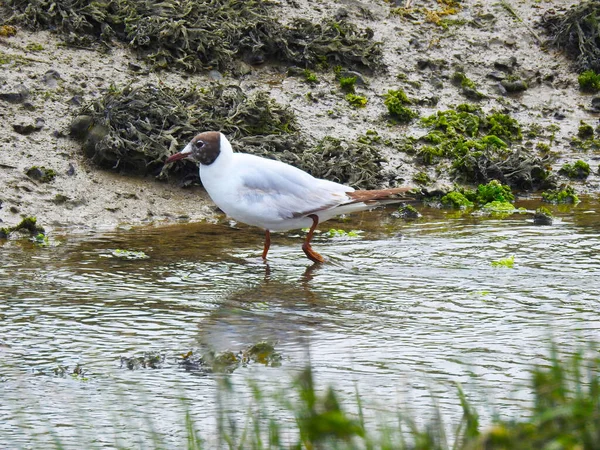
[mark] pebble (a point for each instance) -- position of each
(17, 95)
(496, 75)
(215, 75)
(25, 126)
(51, 78)
(539, 218)
(514, 86)
(506, 64)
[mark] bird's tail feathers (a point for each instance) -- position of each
(382, 196)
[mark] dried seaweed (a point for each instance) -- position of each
(345, 161)
(577, 33)
(136, 129)
(199, 35)
(335, 43)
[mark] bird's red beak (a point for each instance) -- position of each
(176, 157)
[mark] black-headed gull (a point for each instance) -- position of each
(270, 194)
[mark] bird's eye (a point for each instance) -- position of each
(200, 144)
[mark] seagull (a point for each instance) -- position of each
(270, 194)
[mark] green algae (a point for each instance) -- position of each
(493, 196)
(468, 87)
(357, 101)
(564, 195)
(421, 178)
(336, 232)
(579, 170)
(347, 84)
(585, 131)
(41, 174)
(407, 212)
(456, 199)
(310, 77)
(396, 101)
(200, 35)
(589, 81)
(500, 207)
(508, 263)
(128, 254)
(481, 147)
(228, 361)
(28, 224)
(494, 191)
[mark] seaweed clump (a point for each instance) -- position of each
(493, 195)
(345, 161)
(226, 362)
(579, 170)
(136, 129)
(589, 81)
(481, 147)
(28, 224)
(564, 195)
(396, 102)
(200, 35)
(577, 33)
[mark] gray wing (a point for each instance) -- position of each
(281, 191)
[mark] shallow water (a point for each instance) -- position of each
(403, 312)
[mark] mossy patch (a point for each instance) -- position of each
(481, 147)
(357, 101)
(564, 195)
(310, 77)
(494, 191)
(227, 361)
(468, 87)
(589, 81)
(28, 224)
(335, 232)
(407, 212)
(347, 84)
(421, 178)
(201, 35)
(396, 101)
(585, 131)
(456, 200)
(579, 170)
(492, 196)
(34, 47)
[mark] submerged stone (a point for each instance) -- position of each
(543, 216)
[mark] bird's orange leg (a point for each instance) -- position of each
(267, 244)
(310, 253)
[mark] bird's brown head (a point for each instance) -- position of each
(204, 149)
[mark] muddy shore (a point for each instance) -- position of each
(54, 80)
